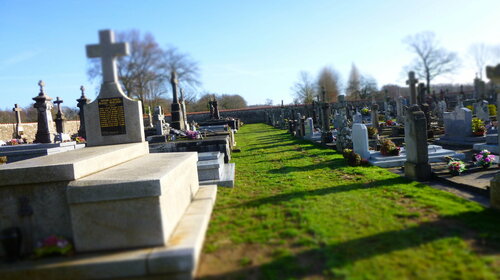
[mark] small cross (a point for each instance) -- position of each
(41, 84)
(412, 80)
(108, 50)
(58, 102)
(82, 89)
(16, 108)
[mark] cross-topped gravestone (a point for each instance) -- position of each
(176, 110)
(59, 116)
(19, 129)
(412, 82)
(108, 50)
(44, 133)
(83, 100)
(112, 118)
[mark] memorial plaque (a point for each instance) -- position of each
(111, 116)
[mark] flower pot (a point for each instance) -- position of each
(455, 172)
(479, 133)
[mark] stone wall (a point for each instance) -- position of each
(7, 130)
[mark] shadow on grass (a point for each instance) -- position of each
(483, 227)
(332, 164)
(279, 198)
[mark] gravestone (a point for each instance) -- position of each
(360, 140)
(176, 107)
(357, 118)
(399, 110)
(159, 120)
(119, 118)
(82, 101)
(479, 89)
(375, 115)
(481, 110)
(184, 112)
(19, 128)
(44, 132)
(308, 128)
(59, 116)
(417, 156)
(412, 82)
(458, 124)
(148, 122)
(441, 109)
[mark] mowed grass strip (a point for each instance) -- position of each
(299, 212)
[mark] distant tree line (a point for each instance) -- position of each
(431, 61)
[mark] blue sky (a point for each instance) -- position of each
(252, 48)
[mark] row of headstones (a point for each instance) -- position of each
(44, 106)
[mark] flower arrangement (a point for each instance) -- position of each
(456, 166)
(478, 127)
(388, 148)
(79, 139)
(492, 109)
(352, 158)
(14, 141)
(372, 131)
(192, 134)
(484, 159)
(365, 111)
(390, 123)
(53, 245)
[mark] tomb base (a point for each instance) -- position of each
(495, 192)
(417, 171)
(177, 260)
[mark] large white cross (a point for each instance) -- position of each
(108, 50)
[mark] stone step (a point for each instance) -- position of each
(69, 165)
(119, 209)
(227, 178)
(177, 260)
(210, 168)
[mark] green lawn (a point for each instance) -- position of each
(299, 212)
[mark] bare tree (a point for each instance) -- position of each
(188, 72)
(304, 90)
(368, 87)
(329, 79)
(145, 73)
(481, 54)
(432, 60)
(354, 84)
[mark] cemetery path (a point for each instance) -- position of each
(298, 211)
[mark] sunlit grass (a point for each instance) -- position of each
(307, 214)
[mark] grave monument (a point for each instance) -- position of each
(44, 132)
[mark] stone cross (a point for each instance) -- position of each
(19, 129)
(176, 110)
(412, 82)
(183, 107)
(59, 116)
(108, 50)
(17, 110)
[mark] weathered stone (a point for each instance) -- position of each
(417, 158)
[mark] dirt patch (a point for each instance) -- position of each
(233, 262)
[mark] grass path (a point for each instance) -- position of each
(299, 212)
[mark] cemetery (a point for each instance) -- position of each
(397, 184)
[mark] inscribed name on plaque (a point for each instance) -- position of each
(111, 116)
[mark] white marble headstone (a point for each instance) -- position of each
(360, 140)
